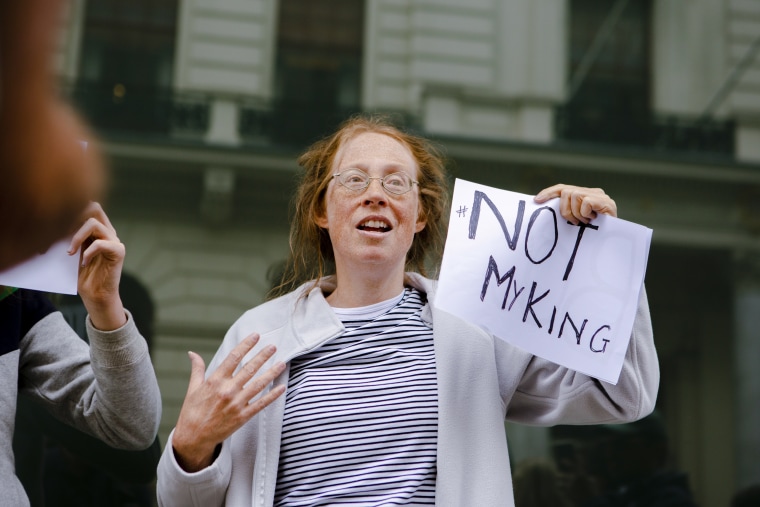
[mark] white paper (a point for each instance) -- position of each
(53, 271)
(563, 292)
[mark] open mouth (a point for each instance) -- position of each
(374, 226)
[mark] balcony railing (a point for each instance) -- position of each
(645, 131)
(134, 109)
(290, 123)
(164, 112)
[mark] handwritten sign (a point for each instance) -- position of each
(564, 292)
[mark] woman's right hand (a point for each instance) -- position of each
(216, 407)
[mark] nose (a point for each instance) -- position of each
(375, 193)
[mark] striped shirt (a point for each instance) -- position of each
(361, 414)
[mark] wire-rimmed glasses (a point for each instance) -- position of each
(357, 180)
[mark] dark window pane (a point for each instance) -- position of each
(127, 62)
(613, 102)
(318, 68)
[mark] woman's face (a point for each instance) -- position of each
(372, 228)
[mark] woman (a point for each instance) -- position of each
(389, 401)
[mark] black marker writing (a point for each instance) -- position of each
(551, 323)
(533, 218)
(534, 310)
(475, 217)
(577, 332)
(583, 227)
(531, 302)
(509, 275)
(605, 340)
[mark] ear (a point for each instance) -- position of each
(421, 222)
(321, 219)
(419, 226)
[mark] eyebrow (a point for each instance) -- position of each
(386, 169)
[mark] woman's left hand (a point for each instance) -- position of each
(101, 260)
(579, 204)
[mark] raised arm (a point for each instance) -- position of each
(108, 389)
(551, 394)
(195, 469)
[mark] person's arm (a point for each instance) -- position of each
(217, 406)
(47, 177)
(136, 467)
(176, 487)
(550, 394)
(108, 389)
(196, 465)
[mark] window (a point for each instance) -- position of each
(612, 103)
(126, 63)
(318, 66)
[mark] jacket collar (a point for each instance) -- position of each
(313, 324)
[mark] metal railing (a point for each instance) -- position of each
(133, 108)
(644, 130)
(162, 112)
(153, 111)
(290, 123)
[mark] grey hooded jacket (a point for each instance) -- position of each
(481, 382)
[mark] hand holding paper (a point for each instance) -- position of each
(545, 275)
(102, 258)
(579, 204)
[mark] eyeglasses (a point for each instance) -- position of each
(356, 180)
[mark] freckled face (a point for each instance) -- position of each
(371, 228)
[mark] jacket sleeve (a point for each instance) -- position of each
(206, 488)
(549, 394)
(107, 389)
(135, 467)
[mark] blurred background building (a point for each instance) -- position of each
(203, 106)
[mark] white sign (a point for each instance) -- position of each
(52, 271)
(567, 293)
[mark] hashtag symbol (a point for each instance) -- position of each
(462, 211)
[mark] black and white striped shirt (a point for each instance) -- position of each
(361, 413)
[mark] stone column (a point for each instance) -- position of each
(223, 123)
